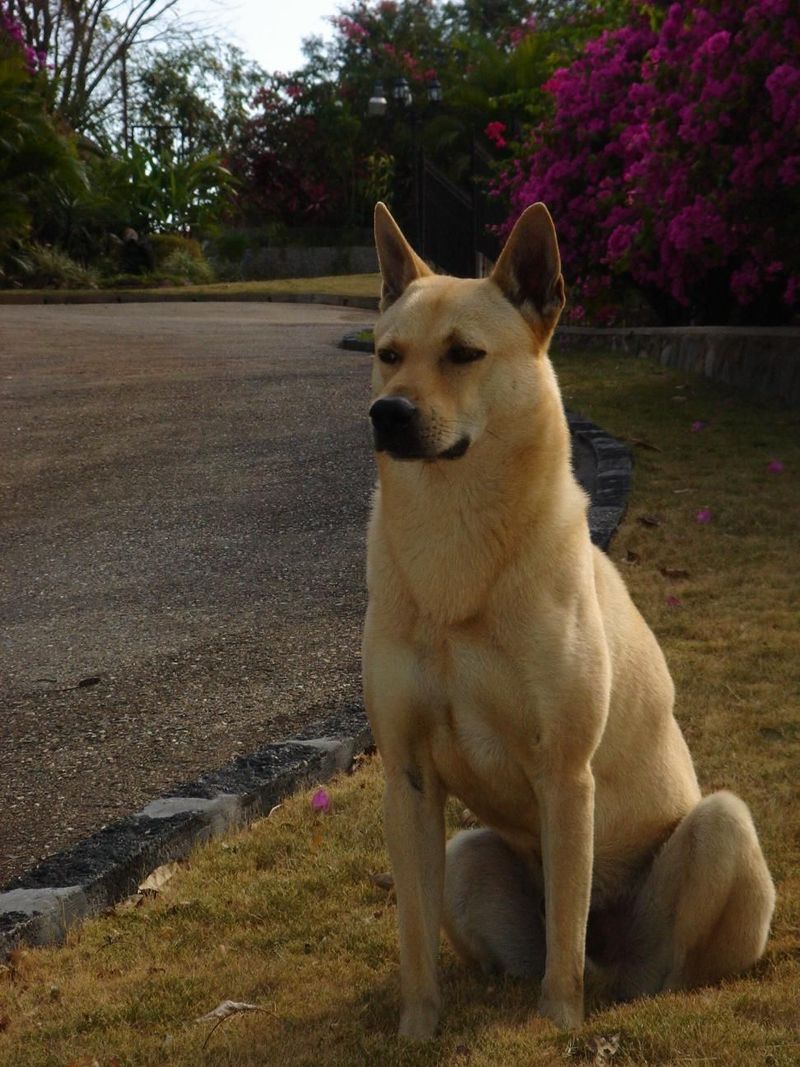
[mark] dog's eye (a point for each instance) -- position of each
(463, 354)
(388, 355)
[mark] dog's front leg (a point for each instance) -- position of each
(567, 816)
(414, 821)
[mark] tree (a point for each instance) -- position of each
(312, 152)
(36, 161)
(191, 99)
(88, 44)
(670, 161)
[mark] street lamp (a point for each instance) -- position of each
(376, 108)
(403, 104)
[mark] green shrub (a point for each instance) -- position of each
(45, 267)
(164, 245)
(184, 264)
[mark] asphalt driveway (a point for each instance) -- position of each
(184, 491)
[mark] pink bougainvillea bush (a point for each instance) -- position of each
(671, 162)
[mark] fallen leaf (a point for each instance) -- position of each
(679, 398)
(321, 801)
(649, 520)
(703, 515)
(463, 1051)
(5, 1022)
(674, 572)
(775, 467)
(698, 425)
(272, 810)
(604, 1048)
(384, 880)
(85, 683)
(226, 1009)
(469, 818)
(673, 602)
(157, 879)
(639, 442)
(632, 557)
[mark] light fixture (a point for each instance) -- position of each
(377, 102)
(434, 89)
(402, 92)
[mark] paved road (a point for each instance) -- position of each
(184, 490)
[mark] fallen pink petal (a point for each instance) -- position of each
(321, 801)
(775, 467)
(698, 424)
(703, 515)
(674, 602)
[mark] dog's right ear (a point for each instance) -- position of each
(400, 265)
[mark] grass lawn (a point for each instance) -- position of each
(338, 285)
(285, 915)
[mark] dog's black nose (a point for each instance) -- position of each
(392, 414)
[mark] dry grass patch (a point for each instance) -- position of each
(286, 916)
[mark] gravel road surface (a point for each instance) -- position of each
(184, 491)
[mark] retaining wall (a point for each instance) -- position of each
(763, 361)
(294, 261)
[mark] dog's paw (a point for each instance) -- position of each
(567, 1015)
(418, 1022)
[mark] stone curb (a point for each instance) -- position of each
(156, 296)
(38, 907)
(613, 467)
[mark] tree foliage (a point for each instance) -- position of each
(191, 99)
(36, 159)
(311, 152)
(88, 44)
(671, 161)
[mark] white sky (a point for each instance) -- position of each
(268, 31)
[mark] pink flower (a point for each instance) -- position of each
(494, 131)
(775, 467)
(698, 425)
(703, 515)
(674, 602)
(321, 801)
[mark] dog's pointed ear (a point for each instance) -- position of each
(400, 265)
(529, 268)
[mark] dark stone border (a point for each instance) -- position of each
(613, 467)
(40, 905)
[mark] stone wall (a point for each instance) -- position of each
(295, 261)
(763, 361)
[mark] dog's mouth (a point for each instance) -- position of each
(407, 451)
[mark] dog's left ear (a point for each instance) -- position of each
(400, 265)
(529, 268)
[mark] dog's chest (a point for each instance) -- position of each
(482, 729)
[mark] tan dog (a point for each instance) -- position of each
(505, 663)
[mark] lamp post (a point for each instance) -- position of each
(403, 104)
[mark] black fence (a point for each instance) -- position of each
(454, 224)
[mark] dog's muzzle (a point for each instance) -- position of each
(397, 429)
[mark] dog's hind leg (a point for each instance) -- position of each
(704, 909)
(493, 911)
